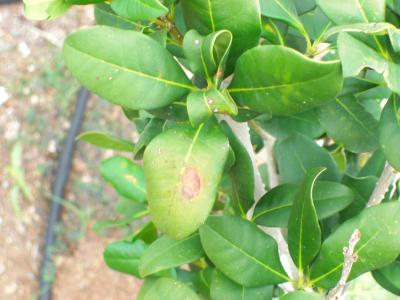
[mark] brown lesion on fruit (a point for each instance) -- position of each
(191, 184)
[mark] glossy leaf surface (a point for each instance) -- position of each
(126, 68)
(126, 177)
(274, 208)
(223, 288)
(297, 154)
(166, 253)
(280, 80)
(210, 16)
(389, 132)
(105, 140)
(350, 125)
(379, 244)
(124, 256)
(304, 233)
(169, 289)
(232, 239)
(139, 10)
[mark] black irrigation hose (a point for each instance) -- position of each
(64, 166)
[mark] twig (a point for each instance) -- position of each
(349, 259)
(242, 132)
(269, 142)
(385, 181)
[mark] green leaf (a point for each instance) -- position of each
(147, 233)
(349, 124)
(210, 16)
(379, 244)
(107, 141)
(242, 173)
(183, 167)
(241, 251)
(305, 123)
(356, 56)
(202, 105)
(146, 286)
(169, 289)
(165, 253)
(215, 52)
(369, 28)
(283, 10)
(138, 211)
(316, 23)
(365, 287)
(280, 80)
(125, 67)
(304, 233)
(297, 154)
(273, 209)
(389, 277)
(222, 288)
(82, 2)
(44, 10)
(124, 256)
(104, 15)
(150, 131)
(374, 166)
(126, 177)
(301, 295)
(192, 48)
(139, 10)
(353, 11)
(389, 132)
(362, 188)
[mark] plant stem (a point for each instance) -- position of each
(385, 181)
(349, 259)
(168, 24)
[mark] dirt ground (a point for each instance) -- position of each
(37, 96)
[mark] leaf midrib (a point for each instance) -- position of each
(351, 114)
(141, 74)
(265, 88)
(165, 250)
(267, 267)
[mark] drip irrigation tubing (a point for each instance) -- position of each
(47, 273)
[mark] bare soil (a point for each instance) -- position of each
(37, 96)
